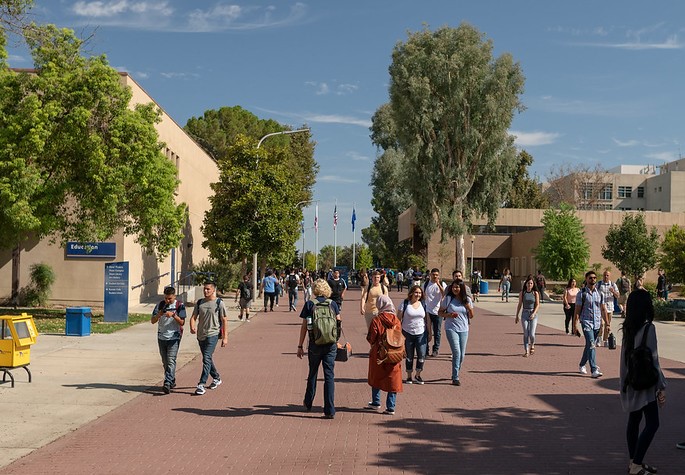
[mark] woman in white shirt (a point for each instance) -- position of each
(416, 331)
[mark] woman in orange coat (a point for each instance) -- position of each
(386, 377)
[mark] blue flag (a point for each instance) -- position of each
(354, 218)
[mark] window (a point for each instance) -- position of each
(659, 189)
(640, 191)
(606, 193)
(523, 266)
(625, 191)
(586, 191)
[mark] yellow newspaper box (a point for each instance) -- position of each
(17, 334)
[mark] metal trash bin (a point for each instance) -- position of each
(484, 287)
(78, 321)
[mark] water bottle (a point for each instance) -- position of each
(310, 326)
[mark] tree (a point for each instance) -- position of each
(525, 192)
(672, 258)
(76, 163)
(452, 104)
(631, 247)
(364, 257)
(563, 251)
(580, 185)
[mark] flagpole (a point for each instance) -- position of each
(316, 233)
(335, 234)
(354, 239)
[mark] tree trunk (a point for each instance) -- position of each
(460, 257)
(16, 260)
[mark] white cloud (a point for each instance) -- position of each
(142, 75)
(112, 8)
(671, 42)
(337, 119)
(336, 179)
(629, 143)
(666, 156)
(219, 17)
(343, 89)
(358, 157)
(177, 75)
(321, 88)
(531, 139)
(15, 58)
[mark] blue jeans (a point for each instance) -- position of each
(207, 347)
(437, 331)
(589, 351)
(506, 285)
(389, 401)
(418, 343)
(168, 349)
(529, 325)
(457, 342)
(292, 298)
(321, 355)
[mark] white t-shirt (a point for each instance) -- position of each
(433, 297)
(413, 319)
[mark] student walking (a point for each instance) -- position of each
(457, 310)
(505, 284)
(170, 316)
(529, 300)
(245, 295)
(569, 301)
(385, 376)
(416, 329)
(590, 310)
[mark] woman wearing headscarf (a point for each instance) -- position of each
(385, 376)
(457, 310)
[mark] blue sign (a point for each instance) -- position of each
(91, 249)
(116, 292)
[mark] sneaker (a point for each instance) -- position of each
(596, 373)
(166, 388)
(409, 380)
(247, 320)
(373, 406)
(680, 445)
(435, 353)
(582, 369)
(173, 385)
(605, 343)
(215, 384)
(390, 412)
(418, 379)
(240, 319)
(598, 343)
(456, 382)
(329, 416)
(200, 390)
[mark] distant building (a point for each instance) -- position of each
(80, 280)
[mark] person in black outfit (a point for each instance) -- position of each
(338, 288)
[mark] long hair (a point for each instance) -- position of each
(411, 291)
(639, 309)
(462, 297)
(525, 284)
(570, 281)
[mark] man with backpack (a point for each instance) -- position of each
(209, 322)
(541, 283)
(623, 284)
(292, 281)
(338, 288)
(321, 322)
(433, 293)
(590, 311)
(170, 316)
(609, 291)
(245, 294)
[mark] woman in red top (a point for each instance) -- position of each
(387, 376)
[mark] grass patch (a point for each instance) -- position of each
(55, 320)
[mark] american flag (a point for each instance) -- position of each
(335, 217)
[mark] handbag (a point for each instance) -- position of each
(344, 350)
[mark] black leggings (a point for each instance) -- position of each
(638, 442)
(569, 315)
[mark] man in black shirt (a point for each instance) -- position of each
(338, 288)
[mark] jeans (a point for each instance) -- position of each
(321, 355)
(506, 285)
(529, 325)
(389, 401)
(437, 331)
(168, 349)
(589, 353)
(292, 298)
(568, 312)
(638, 443)
(457, 341)
(418, 342)
(269, 300)
(207, 347)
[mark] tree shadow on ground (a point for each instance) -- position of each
(291, 410)
(124, 388)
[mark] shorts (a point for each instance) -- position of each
(622, 299)
(245, 303)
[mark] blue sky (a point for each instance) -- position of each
(603, 78)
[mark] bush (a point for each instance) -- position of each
(226, 276)
(664, 311)
(37, 293)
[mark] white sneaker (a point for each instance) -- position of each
(215, 384)
(596, 373)
(605, 343)
(582, 369)
(598, 343)
(200, 390)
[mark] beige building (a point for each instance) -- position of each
(517, 231)
(80, 281)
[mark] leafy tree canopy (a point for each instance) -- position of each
(631, 247)
(563, 251)
(672, 258)
(525, 192)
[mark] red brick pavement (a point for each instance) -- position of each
(512, 415)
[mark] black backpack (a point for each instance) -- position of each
(642, 373)
(292, 282)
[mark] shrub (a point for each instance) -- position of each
(37, 293)
(227, 276)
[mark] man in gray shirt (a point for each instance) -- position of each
(590, 311)
(170, 316)
(209, 322)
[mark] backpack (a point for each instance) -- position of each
(391, 346)
(245, 291)
(625, 286)
(324, 324)
(177, 304)
(292, 282)
(642, 373)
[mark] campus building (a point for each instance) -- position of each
(657, 192)
(81, 275)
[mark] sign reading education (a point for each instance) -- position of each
(91, 249)
(116, 292)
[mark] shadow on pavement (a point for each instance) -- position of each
(124, 388)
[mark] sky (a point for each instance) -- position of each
(603, 78)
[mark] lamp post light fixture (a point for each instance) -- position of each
(473, 240)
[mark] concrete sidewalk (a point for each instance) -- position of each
(511, 415)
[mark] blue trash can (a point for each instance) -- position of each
(78, 321)
(617, 310)
(483, 287)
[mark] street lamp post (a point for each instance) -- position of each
(254, 257)
(473, 240)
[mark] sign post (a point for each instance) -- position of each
(116, 292)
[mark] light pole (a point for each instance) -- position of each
(473, 240)
(254, 257)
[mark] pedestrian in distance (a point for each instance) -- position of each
(610, 292)
(457, 310)
(374, 289)
(569, 301)
(624, 286)
(210, 323)
(383, 376)
(529, 300)
(292, 282)
(458, 275)
(638, 332)
(541, 284)
(307, 285)
(589, 312)
(505, 284)
(170, 316)
(416, 329)
(400, 281)
(338, 288)
(269, 289)
(321, 324)
(244, 293)
(661, 285)
(475, 284)
(433, 293)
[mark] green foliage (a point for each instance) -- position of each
(53, 321)
(76, 163)
(672, 257)
(525, 192)
(452, 104)
(37, 293)
(364, 257)
(631, 247)
(227, 276)
(309, 260)
(563, 251)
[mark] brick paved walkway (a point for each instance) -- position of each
(512, 414)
